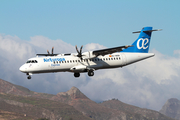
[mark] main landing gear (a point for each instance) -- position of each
(90, 73)
(76, 74)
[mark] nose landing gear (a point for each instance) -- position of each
(29, 75)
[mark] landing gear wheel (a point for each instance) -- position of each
(29, 77)
(90, 73)
(76, 74)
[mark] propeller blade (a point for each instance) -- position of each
(77, 49)
(52, 50)
(81, 49)
(48, 51)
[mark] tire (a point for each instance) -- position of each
(90, 73)
(76, 74)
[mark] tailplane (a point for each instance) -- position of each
(141, 45)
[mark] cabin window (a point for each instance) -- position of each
(106, 58)
(111, 58)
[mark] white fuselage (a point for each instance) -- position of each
(72, 63)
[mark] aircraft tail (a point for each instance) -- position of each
(141, 45)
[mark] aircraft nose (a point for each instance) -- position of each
(22, 68)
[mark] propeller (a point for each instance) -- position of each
(79, 52)
(51, 51)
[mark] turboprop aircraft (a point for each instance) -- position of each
(92, 60)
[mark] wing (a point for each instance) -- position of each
(110, 50)
(46, 54)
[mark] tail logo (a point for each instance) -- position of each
(142, 43)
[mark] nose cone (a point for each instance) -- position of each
(22, 68)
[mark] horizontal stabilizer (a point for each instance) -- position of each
(148, 31)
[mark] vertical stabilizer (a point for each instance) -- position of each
(141, 45)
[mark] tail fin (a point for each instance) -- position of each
(143, 42)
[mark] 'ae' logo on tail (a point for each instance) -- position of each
(142, 43)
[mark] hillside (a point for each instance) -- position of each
(20, 103)
(171, 108)
(118, 105)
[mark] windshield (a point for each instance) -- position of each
(32, 61)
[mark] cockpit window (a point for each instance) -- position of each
(32, 61)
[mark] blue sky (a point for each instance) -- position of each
(28, 27)
(80, 22)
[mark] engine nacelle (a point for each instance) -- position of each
(80, 68)
(88, 55)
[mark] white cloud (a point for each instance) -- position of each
(147, 84)
(94, 46)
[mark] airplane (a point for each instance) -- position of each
(90, 61)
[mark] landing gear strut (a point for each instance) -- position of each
(76, 74)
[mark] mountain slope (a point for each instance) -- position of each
(171, 108)
(72, 104)
(118, 105)
(118, 110)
